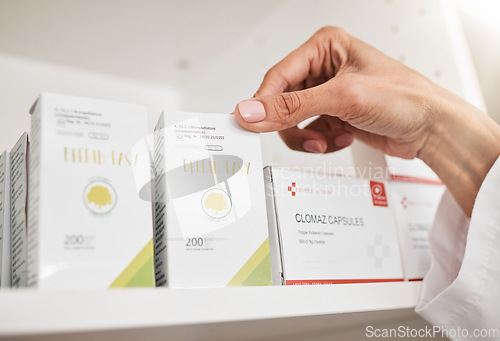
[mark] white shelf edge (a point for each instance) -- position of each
(27, 312)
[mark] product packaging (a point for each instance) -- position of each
(87, 225)
(5, 231)
(415, 206)
(18, 200)
(330, 230)
(210, 213)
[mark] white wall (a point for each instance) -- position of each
(198, 55)
(23, 79)
(482, 30)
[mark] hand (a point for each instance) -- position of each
(357, 91)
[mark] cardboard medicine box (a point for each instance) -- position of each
(87, 225)
(329, 230)
(210, 213)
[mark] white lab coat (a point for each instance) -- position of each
(462, 287)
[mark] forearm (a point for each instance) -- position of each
(463, 146)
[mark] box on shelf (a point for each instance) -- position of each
(18, 195)
(327, 230)
(210, 213)
(88, 227)
(5, 258)
(415, 206)
(414, 170)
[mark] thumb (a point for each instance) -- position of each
(285, 110)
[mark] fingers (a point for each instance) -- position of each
(324, 135)
(287, 74)
(304, 140)
(336, 132)
(312, 60)
(286, 110)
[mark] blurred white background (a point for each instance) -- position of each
(482, 29)
(208, 55)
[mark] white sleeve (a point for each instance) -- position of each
(461, 291)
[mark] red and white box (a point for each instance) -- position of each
(415, 205)
(329, 230)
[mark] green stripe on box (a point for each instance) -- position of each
(140, 271)
(257, 270)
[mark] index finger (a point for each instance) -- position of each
(314, 58)
(287, 74)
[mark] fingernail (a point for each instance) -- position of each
(313, 146)
(252, 111)
(343, 140)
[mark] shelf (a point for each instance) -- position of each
(30, 312)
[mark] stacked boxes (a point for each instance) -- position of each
(76, 213)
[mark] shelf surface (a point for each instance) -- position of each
(31, 312)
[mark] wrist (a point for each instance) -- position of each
(461, 147)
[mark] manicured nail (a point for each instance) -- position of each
(313, 146)
(252, 111)
(343, 140)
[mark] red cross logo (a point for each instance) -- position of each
(404, 202)
(292, 189)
